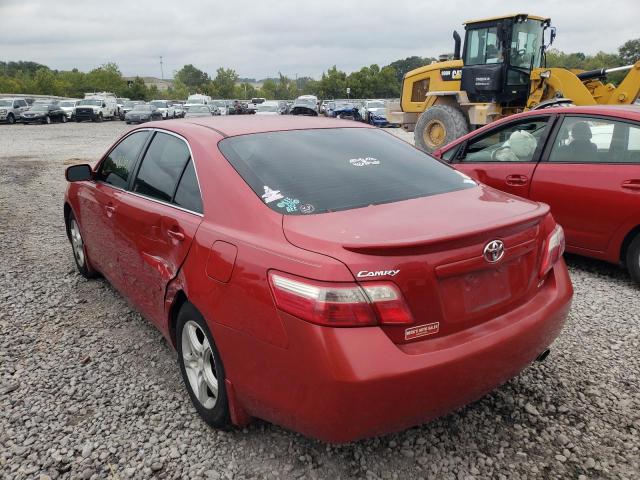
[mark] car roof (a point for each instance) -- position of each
(631, 112)
(233, 125)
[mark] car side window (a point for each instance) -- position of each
(449, 154)
(596, 140)
(188, 193)
(516, 142)
(161, 167)
(116, 168)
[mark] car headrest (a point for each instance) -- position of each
(581, 131)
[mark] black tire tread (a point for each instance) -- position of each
(632, 259)
(455, 121)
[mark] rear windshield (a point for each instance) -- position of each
(316, 171)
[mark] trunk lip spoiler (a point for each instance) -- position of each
(475, 229)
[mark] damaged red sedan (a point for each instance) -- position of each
(319, 274)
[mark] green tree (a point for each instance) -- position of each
(225, 82)
(630, 51)
(44, 82)
(193, 78)
(137, 90)
(106, 78)
(406, 65)
(333, 84)
(245, 91)
(178, 90)
(268, 89)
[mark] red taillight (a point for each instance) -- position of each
(553, 250)
(339, 304)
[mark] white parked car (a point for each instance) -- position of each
(222, 106)
(69, 107)
(268, 108)
(165, 108)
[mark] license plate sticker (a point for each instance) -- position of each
(422, 330)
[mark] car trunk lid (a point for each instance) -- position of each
(433, 249)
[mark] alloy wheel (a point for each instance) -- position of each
(199, 364)
(76, 242)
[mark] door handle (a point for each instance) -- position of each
(516, 180)
(176, 234)
(631, 184)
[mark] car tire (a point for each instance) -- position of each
(633, 259)
(201, 367)
(47, 120)
(11, 119)
(100, 118)
(78, 248)
(128, 123)
(63, 119)
(439, 125)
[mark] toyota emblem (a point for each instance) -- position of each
(493, 251)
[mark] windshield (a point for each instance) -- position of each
(220, 103)
(323, 170)
(525, 44)
(6, 103)
(267, 108)
(344, 106)
(199, 109)
(67, 104)
(142, 108)
(196, 101)
(159, 103)
(482, 46)
(90, 102)
(129, 104)
(40, 108)
(375, 105)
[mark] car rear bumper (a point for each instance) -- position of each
(343, 384)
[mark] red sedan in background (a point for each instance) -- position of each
(582, 161)
(320, 274)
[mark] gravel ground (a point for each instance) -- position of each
(88, 389)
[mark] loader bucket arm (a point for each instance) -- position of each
(549, 83)
(629, 89)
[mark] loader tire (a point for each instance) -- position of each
(438, 126)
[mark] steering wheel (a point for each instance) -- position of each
(494, 154)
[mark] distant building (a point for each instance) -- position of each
(161, 85)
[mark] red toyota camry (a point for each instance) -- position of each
(319, 274)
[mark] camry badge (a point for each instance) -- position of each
(493, 251)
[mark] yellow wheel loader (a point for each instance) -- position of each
(501, 70)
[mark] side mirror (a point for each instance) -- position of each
(104, 105)
(78, 173)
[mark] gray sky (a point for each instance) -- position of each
(260, 38)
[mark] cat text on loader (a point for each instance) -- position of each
(500, 71)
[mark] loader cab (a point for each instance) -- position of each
(499, 54)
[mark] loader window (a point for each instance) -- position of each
(525, 44)
(419, 91)
(482, 47)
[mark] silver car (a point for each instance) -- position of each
(12, 108)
